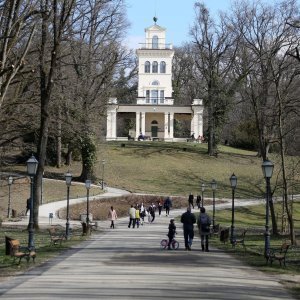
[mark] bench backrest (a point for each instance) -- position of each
(53, 231)
(284, 248)
(14, 246)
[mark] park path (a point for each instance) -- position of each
(126, 263)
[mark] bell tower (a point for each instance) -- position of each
(155, 67)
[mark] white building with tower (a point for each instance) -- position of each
(154, 115)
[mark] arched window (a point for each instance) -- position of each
(155, 42)
(154, 122)
(155, 67)
(147, 67)
(162, 67)
(155, 82)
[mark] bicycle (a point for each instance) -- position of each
(164, 244)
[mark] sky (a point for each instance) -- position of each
(175, 15)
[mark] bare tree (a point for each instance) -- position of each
(265, 37)
(55, 20)
(17, 26)
(215, 46)
(285, 75)
(187, 81)
(96, 52)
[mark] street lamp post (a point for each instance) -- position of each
(88, 186)
(214, 187)
(32, 165)
(267, 168)
(103, 163)
(68, 177)
(202, 189)
(233, 183)
(9, 181)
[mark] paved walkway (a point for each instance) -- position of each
(126, 263)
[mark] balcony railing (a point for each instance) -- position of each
(155, 100)
(156, 46)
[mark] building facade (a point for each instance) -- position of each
(154, 115)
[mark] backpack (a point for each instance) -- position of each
(204, 222)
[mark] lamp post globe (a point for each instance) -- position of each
(68, 177)
(267, 168)
(214, 187)
(233, 183)
(32, 165)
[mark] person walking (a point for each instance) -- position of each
(198, 201)
(171, 232)
(191, 200)
(131, 217)
(159, 205)
(203, 223)
(142, 213)
(188, 219)
(167, 205)
(112, 216)
(137, 216)
(152, 212)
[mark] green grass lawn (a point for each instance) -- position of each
(180, 168)
(42, 243)
(252, 219)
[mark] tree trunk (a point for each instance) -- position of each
(283, 168)
(59, 147)
(211, 128)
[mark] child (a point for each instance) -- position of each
(171, 233)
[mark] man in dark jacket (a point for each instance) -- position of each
(188, 219)
(191, 200)
(167, 205)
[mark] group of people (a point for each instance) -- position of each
(203, 222)
(138, 213)
(191, 201)
(188, 219)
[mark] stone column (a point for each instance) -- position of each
(200, 124)
(197, 120)
(137, 125)
(171, 135)
(194, 127)
(108, 125)
(143, 123)
(114, 124)
(166, 126)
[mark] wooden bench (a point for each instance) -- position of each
(278, 254)
(56, 236)
(16, 251)
(240, 240)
